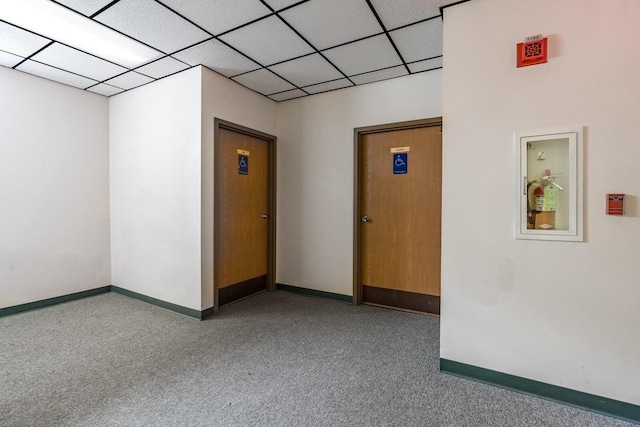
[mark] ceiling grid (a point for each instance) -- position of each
(281, 49)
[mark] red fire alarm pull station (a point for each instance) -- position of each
(532, 51)
(615, 204)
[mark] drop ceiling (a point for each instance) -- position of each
(282, 49)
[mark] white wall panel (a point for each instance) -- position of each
(315, 173)
(558, 312)
(54, 175)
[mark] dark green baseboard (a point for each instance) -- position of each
(52, 301)
(590, 402)
(201, 315)
(196, 314)
(313, 292)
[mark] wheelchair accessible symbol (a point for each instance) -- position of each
(243, 165)
(400, 163)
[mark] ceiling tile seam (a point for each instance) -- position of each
(301, 88)
(289, 99)
(186, 48)
(160, 59)
(425, 59)
(69, 8)
(261, 66)
(422, 21)
(352, 41)
(277, 75)
(154, 79)
(54, 81)
(317, 84)
(156, 60)
(375, 13)
(313, 47)
(333, 90)
(375, 71)
(127, 35)
(244, 25)
(67, 71)
(424, 71)
(319, 51)
(246, 87)
(143, 84)
(274, 64)
(183, 17)
(321, 83)
(33, 54)
(125, 90)
(264, 3)
(389, 78)
(4, 51)
(90, 54)
(98, 12)
(24, 29)
(99, 83)
(442, 8)
(291, 6)
(29, 31)
(122, 74)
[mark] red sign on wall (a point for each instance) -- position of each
(532, 52)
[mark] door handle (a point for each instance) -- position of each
(365, 219)
(265, 216)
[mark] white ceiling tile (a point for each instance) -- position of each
(129, 80)
(267, 41)
(152, 23)
(366, 55)
(218, 16)
(78, 62)
(402, 12)
(86, 7)
(219, 57)
(307, 70)
(323, 87)
(429, 64)
(18, 41)
(9, 59)
(375, 76)
(281, 4)
(55, 74)
(420, 41)
(263, 81)
(104, 89)
(162, 67)
(290, 94)
(327, 23)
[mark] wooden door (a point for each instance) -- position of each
(401, 217)
(242, 215)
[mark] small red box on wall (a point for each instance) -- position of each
(615, 204)
(532, 52)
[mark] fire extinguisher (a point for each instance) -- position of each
(539, 195)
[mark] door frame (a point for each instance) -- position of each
(271, 140)
(358, 133)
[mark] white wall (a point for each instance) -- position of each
(227, 100)
(155, 143)
(315, 173)
(559, 312)
(54, 187)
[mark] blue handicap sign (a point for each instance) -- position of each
(243, 165)
(400, 163)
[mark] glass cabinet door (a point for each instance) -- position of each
(548, 184)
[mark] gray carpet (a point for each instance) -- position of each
(278, 359)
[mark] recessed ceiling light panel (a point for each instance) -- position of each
(65, 26)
